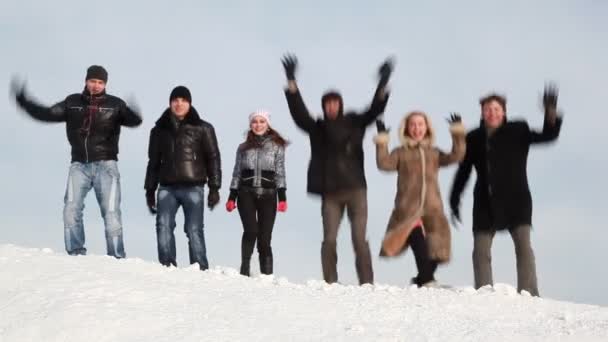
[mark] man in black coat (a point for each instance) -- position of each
(183, 157)
(336, 169)
(498, 150)
(93, 120)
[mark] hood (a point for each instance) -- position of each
(332, 94)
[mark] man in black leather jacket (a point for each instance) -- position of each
(183, 156)
(93, 120)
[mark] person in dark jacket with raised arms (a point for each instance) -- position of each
(93, 119)
(183, 157)
(336, 169)
(498, 150)
(258, 182)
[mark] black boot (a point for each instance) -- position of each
(266, 264)
(245, 266)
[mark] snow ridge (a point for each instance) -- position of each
(48, 296)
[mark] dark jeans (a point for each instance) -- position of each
(426, 266)
(258, 213)
(191, 199)
(333, 206)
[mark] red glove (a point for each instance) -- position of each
(230, 205)
(282, 207)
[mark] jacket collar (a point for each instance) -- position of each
(166, 120)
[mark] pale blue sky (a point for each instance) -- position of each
(228, 53)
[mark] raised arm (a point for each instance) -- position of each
(381, 94)
(131, 116)
(212, 158)
(297, 108)
(55, 113)
(384, 160)
(458, 142)
(552, 123)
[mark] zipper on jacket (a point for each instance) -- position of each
(86, 149)
(257, 172)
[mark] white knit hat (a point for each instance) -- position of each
(263, 113)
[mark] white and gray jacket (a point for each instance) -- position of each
(260, 167)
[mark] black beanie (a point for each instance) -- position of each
(180, 91)
(332, 95)
(97, 72)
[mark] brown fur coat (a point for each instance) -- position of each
(418, 195)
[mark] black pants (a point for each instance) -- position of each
(258, 212)
(426, 266)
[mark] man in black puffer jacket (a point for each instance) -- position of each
(336, 169)
(183, 156)
(93, 120)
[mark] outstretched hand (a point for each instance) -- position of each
(380, 126)
(17, 88)
(550, 96)
(290, 64)
(454, 118)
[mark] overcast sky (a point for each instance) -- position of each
(228, 53)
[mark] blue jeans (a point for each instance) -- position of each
(104, 178)
(191, 199)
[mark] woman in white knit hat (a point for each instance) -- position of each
(258, 187)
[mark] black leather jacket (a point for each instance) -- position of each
(183, 152)
(92, 122)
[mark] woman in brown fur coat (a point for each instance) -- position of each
(418, 219)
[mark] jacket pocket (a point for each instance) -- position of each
(268, 179)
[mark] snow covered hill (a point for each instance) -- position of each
(48, 296)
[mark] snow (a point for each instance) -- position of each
(49, 296)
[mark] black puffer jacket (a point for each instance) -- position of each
(502, 198)
(336, 161)
(183, 152)
(92, 122)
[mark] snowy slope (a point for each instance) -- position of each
(48, 296)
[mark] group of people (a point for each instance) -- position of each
(184, 156)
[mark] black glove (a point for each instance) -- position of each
(550, 96)
(385, 71)
(454, 118)
(151, 201)
(213, 198)
(290, 63)
(380, 126)
(17, 89)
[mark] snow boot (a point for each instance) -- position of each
(245, 266)
(266, 264)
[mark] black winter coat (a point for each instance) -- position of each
(183, 153)
(501, 196)
(336, 161)
(92, 122)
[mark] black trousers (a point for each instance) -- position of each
(258, 213)
(426, 266)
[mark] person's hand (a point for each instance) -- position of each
(290, 64)
(213, 198)
(385, 71)
(230, 206)
(151, 201)
(380, 126)
(282, 206)
(550, 96)
(454, 118)
(17, 89)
